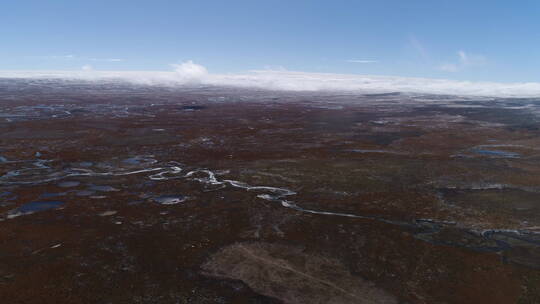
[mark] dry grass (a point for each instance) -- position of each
(287, 273)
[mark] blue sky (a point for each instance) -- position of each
(465, 40)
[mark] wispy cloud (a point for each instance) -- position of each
(362, 61)
(56, 57)
(275, 68)
(106, 59)
(449, 67)
(465, 60)
(418, 47)
(72, 57)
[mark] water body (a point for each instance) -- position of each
(498, 153)
(34, 207)
(515, 246)
(49, 195)
(193, 108)
(103, 188)
(68, 184)
(139, 160)
(169, 199)
(376, 151)
(84, 193)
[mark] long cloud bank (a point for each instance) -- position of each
(189, 74)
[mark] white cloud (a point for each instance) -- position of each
(464, 61)
(190, 73)
(362, 61)
(87, 67)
